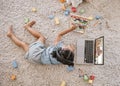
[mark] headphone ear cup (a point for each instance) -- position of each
(54, 54)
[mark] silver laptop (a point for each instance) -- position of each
(87, 51)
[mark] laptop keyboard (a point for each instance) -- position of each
(88, 51)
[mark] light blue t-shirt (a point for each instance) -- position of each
(38, 53)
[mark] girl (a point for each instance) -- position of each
(38, 53)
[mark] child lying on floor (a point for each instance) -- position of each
(38, 53)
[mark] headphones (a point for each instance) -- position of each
(62, 59)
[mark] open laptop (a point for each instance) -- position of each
(90, 51)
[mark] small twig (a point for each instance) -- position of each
(96, 23)
(81, 72)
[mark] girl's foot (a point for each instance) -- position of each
(30, 24)
(10, 31)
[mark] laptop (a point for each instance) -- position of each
(90, 51)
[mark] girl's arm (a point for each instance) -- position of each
(59, 36)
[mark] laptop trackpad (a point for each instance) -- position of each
(80, 51)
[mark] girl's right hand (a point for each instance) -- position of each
(75, 25)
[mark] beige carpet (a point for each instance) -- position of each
(14, 11)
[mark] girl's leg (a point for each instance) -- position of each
(18, 42)
(35, 33)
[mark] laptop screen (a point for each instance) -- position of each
(99, 51)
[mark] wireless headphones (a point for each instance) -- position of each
(61, 57)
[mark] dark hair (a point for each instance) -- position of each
(64, 56)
